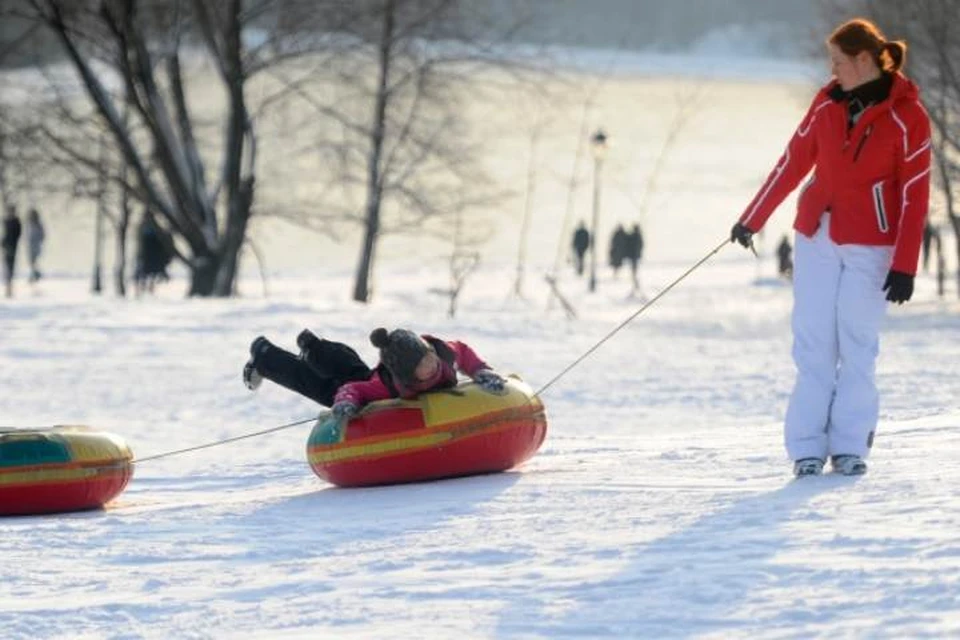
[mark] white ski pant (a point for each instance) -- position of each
(838, 307)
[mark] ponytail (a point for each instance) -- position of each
(893, 55)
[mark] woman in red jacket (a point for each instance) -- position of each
(859, 227)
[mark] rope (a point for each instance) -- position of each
(550, 383)
(631, 317)
(219, 442)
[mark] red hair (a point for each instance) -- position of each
(860, 34)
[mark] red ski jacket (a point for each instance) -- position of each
(457, 355)
(874, 178)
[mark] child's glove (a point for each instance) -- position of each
(490, 381)
(343, 410)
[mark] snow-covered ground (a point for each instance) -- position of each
(660, 505)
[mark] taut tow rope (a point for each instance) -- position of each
(225, 441)
(631, 317)
(546, 386)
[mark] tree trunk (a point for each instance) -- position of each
(214, 275)
(123, 224)
(955, 223)
(203, 276)
(4, 200)
(946, 184)
(361, 288)
(120, 264)
(233, 243)
(527, 209)
(941, 267)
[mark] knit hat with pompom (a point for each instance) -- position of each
(401, 350)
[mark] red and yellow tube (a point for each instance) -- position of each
(63, 468)
(447, 433)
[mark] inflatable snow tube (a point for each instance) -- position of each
(442, 434)
(63, 468)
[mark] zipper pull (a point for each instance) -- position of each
(863, 141)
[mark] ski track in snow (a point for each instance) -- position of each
(661, 504)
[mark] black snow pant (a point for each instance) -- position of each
(325, 368)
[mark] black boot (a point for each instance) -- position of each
(294, 372)
(307, 341)
(332, 359)
(259, 345)
(251, 376)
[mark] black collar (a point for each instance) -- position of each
(874, 91)
(867, 93)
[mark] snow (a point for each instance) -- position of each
(661, 504)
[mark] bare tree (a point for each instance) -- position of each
(15, 155)
(403, 136)
(573, 185)
(122, 222)
(464, 260)
(410, 149)
(536, 133)
(165, 156)
(4, 163)
(30, 170)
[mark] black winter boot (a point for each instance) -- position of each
(251, 376)
(307, 341)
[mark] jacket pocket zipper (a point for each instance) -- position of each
(863, 141)
(878, 207)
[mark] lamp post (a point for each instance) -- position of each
(598, 144)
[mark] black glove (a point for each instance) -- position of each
(899, 286)
(490, 381)
(740, 233)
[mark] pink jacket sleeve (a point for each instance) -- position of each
(467, 359)
(362, 393)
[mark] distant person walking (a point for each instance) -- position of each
(581, 242)
(35, 238)
(784, 260)
(859, 227)
(154, 254)
(11, 239)
(617, 249)
(633, 253)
